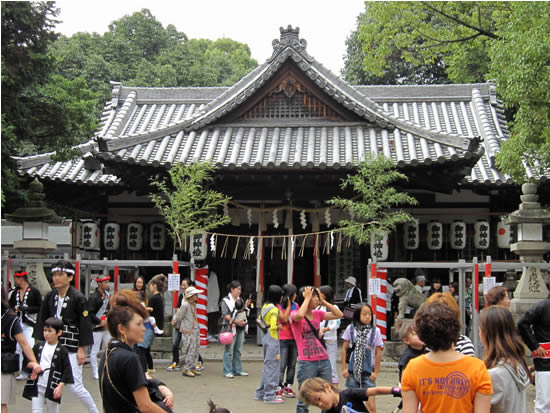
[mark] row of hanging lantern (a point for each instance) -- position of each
(457, 235)
(88, 236)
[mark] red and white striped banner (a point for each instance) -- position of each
(201, 282)
(382, 274)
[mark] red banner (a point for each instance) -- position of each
(381, 300)
(201, 282)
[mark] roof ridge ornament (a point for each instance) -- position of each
(289, 38)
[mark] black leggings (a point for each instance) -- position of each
(145, 358)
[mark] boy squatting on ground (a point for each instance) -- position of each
(47, 388)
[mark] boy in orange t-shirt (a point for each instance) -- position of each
(444, 380)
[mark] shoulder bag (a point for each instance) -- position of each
(316, 332)
(260, 322)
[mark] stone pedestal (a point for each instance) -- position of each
(36, 249)
(531, 247)
(35, 217)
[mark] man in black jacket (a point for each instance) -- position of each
(25, 301)
(534, 328)
(98, 306)
(68, 304)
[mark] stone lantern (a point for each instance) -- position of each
(35, 217)
(528, 221)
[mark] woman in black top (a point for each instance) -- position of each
(12, 334)
(155, 306)
(123, 384)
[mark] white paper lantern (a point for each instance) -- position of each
(411, 236)
(379, 246)
(90, 236)
(435, 236)
(198, 248)
(157, 236)
(458, 235)
(111, 236)
(503, 235)
(134, 236)
(481, 234)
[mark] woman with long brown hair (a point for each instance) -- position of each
(123, 384)
(505, 360)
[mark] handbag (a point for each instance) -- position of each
(10, 363)
(348, 312)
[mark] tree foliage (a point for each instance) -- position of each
(41, 111)
(139, 51)
(376, 207)
(521, 66)
(473, 41)
(187, 202)
(397, 71)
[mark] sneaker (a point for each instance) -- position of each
(199, 367)
(150, 372)
(279, 393)
(258, 398)
(197, 373)
(276, 400)
(22, 376)
(158, 331)
(173, 367)
(288, 392)
(228, 376)
(188, 373)
(242, 373)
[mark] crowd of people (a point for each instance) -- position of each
(301, 329)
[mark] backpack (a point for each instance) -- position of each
(260, 322)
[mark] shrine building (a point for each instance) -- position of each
(282, 138)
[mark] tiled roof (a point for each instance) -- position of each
(315, 146)
(85, 170)
(413, 125)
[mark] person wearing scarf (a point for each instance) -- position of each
(362, 352)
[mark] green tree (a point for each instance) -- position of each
(475, 41)
(376, 206)
(138, 51)
(397, 71)
(40, 111)
(187, 202)
(520, 63)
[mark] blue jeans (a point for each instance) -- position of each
(271, 370)
(176, 339)
(149, 337)
(310, 369)
(352, 383)
(232, 354)
(289, 355)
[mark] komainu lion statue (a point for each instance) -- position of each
(408, 296)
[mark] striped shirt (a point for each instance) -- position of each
(465, 346)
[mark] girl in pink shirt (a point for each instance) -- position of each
(305, 323)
